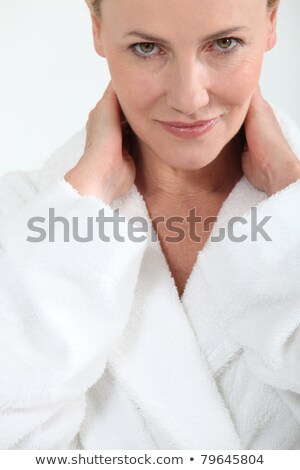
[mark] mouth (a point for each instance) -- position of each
(187, 124)
(190, 131)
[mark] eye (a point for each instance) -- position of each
(225, 43)
(145, 49)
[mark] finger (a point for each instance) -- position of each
(108, 92)
(258, 90)
(108, 88)
(110, 106)
(116, 113)
(257, 97)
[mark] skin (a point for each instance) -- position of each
(188, 81)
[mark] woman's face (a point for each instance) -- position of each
(184, 76)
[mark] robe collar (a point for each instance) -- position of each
(173, 349)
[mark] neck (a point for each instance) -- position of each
(159, 182)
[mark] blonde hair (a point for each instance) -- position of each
(272, 3)
(95, 4)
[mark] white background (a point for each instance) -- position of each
(51, 77)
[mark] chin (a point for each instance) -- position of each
(192, 162)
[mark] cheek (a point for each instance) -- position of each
(239, 82)
(135, 90)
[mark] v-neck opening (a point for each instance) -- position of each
(206, 246)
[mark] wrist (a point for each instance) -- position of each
(89, 186)
(288, 175)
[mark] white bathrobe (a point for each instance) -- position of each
(97, 350)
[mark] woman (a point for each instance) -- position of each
(158, 342)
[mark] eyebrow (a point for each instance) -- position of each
(222, 33)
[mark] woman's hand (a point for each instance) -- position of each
(267, 160)
(106, 169)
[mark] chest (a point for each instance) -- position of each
(181, 242)
(183, 229)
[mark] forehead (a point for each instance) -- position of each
(181, 20)
(182, 13)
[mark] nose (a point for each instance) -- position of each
(187, 88)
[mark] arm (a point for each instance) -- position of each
(62, 308)
(258, 289)
(269, 327)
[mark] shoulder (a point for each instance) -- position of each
(18, 187)
(63, 158)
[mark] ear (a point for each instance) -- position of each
(272, 29)
(96, 26)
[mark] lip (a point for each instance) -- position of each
(184, 124)
(192, 131)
